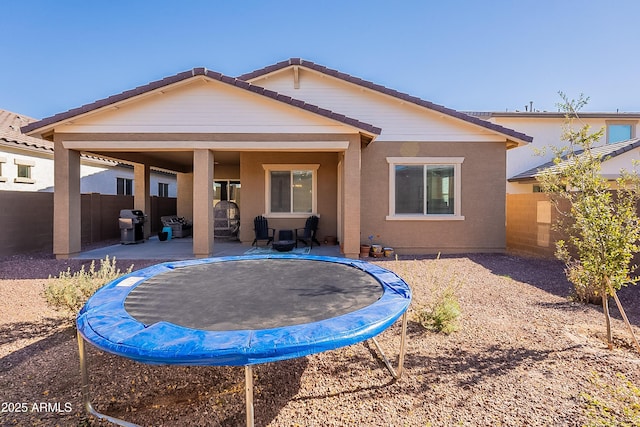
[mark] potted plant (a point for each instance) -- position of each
(365, 250)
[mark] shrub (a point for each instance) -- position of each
(69, 291)
(442, 314)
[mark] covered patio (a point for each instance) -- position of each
(207, 127)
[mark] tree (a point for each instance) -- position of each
(601, 224)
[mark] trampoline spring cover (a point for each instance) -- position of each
(107, 323)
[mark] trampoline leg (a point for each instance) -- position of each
(85, 388)
(248, 387)
(403, 338)
(403, 342)
(84, 374)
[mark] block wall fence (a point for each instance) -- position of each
(26, 219)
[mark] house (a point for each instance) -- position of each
(26, 164)
(546, 128)
(615, 157)
(300, 139)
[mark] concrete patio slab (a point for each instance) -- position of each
(180, 249)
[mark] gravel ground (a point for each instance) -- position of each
(523, 356)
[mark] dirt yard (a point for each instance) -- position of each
(524, 355)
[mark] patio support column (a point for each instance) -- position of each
(142, 193)
(66, 201)
(202, 203)
(351, 199)
(184, 202)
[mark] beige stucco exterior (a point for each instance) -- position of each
(253, 182)
(195, 192)
(203, 129)
(482, 201)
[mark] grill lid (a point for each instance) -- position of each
(132, 213)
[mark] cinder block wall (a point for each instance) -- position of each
(530, 220)
(26, 219)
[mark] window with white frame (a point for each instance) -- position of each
(620, 131)
(24, 167)
(124, 186)
(424, 188)
(291, 190)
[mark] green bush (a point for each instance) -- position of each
(442, 314)
(69, 291)
(442, 311)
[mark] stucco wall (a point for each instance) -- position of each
(41, 169)
(95, 176)
(252, 176)
(482, 196)
(101, 180)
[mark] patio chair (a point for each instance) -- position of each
(262, 230)
(307, 235)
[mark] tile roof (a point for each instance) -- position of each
(605, 152)
(10, 124)
(387, 91)
(114, 99)
(555, 115)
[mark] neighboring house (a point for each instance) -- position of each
(546, 129)
(26, 164)
(299, 139)
(615, 157)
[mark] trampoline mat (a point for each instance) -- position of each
(252, 294)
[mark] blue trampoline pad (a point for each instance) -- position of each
(242, 310)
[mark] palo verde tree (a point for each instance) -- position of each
(601, 225)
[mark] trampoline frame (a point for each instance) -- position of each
(86, 384)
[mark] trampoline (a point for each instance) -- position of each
(241, 311)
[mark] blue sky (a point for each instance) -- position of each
(492, 55)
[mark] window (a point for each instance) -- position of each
(2, 161)
(290, 190)
(24, 171)
(124, 186)
(24, 167)
(617, 132)
(424, 188)
(163, 189)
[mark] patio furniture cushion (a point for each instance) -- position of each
(180, 227)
